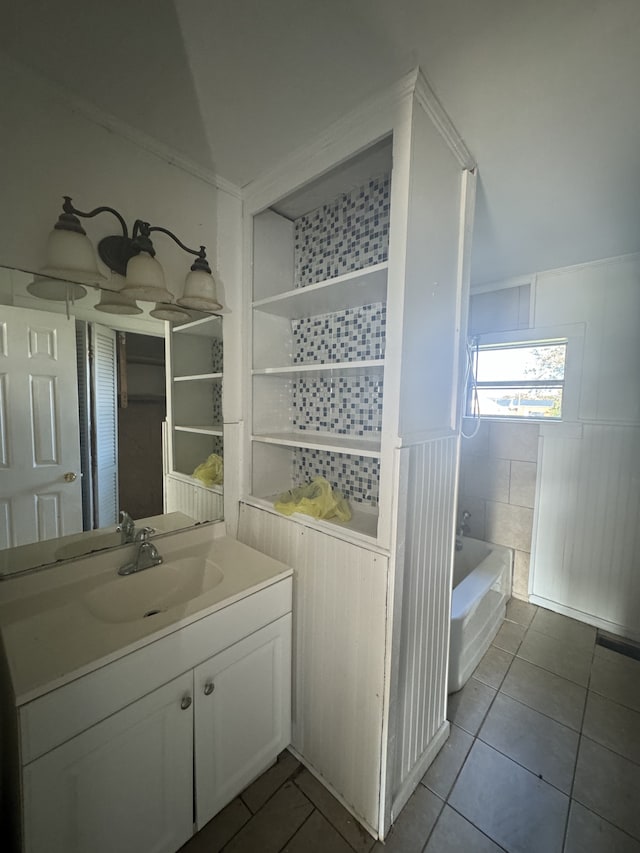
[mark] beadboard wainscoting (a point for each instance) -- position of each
(423, 593)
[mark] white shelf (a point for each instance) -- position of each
(197, 377)
(352, 446)
(344, 368)
(209, 327)
(204, 429)
(363, 525)
(360, 287)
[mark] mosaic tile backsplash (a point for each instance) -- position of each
(216, 393)
(354, 334)
(348, 234)
(356, 477)
(349, 405)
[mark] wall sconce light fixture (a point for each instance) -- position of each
(70, 255)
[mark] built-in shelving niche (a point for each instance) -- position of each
(319, 329)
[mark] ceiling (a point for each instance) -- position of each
(545, 95)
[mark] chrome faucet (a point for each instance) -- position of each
(126, 528)
(147, 555)
(463, 529)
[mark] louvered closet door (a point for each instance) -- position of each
(39, 440)
(104, 402)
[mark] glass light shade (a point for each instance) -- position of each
(199, 292)
(113, 302)
(145, 280)
(172, 313)
(55, 290)
(71, 255)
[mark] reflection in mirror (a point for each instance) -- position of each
(82, 415)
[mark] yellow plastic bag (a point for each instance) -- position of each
(210, 472)
(316, 499)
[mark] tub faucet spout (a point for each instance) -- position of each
(463, 529)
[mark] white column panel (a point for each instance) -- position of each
(426, 569)
(339, 653)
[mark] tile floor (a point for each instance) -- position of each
(543, 757)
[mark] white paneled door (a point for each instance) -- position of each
(40, 478)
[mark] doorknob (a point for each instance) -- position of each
(70, 477)
(208, 688)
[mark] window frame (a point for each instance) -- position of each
(570, 335)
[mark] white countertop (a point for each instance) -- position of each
(51, 636)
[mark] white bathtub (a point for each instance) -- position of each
(481, 589)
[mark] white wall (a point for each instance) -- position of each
(51, 145)
(586, 545)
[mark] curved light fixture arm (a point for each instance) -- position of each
(68, 207)
(201, 253)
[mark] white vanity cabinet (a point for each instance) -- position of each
(137, 755)
(125, 784)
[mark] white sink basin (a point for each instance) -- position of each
(152, 591)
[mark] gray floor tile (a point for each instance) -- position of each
(335, 812)
(493, 667)
(521, 612)
(509, 804)
(440, 777)
(220, 829)
(588, 833)
(454, 834)
(410, 832)
(545, 692)
(275, 824)
(609, 785)
(316, 835)
(565, 629)
(467, 707)
(257, 794)
(558, 656)
(613, 726)
(540, 744)
(509, 636)
(617, 677)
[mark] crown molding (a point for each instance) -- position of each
(427, 99)
(121, 128)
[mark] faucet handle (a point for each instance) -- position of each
(144, 533)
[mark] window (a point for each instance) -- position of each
(518, 380)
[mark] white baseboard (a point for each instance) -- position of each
(590, 619)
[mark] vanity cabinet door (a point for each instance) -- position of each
(242, 715)
(124, 785)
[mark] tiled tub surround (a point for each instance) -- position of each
(350, 233)
(498, 471)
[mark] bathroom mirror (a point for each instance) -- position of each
(82, 418)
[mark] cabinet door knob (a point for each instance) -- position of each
(208, 688)
(186, 702)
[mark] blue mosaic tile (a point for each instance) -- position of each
(354, 334)
(348, 234)
(356, 477)
(350, 405)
